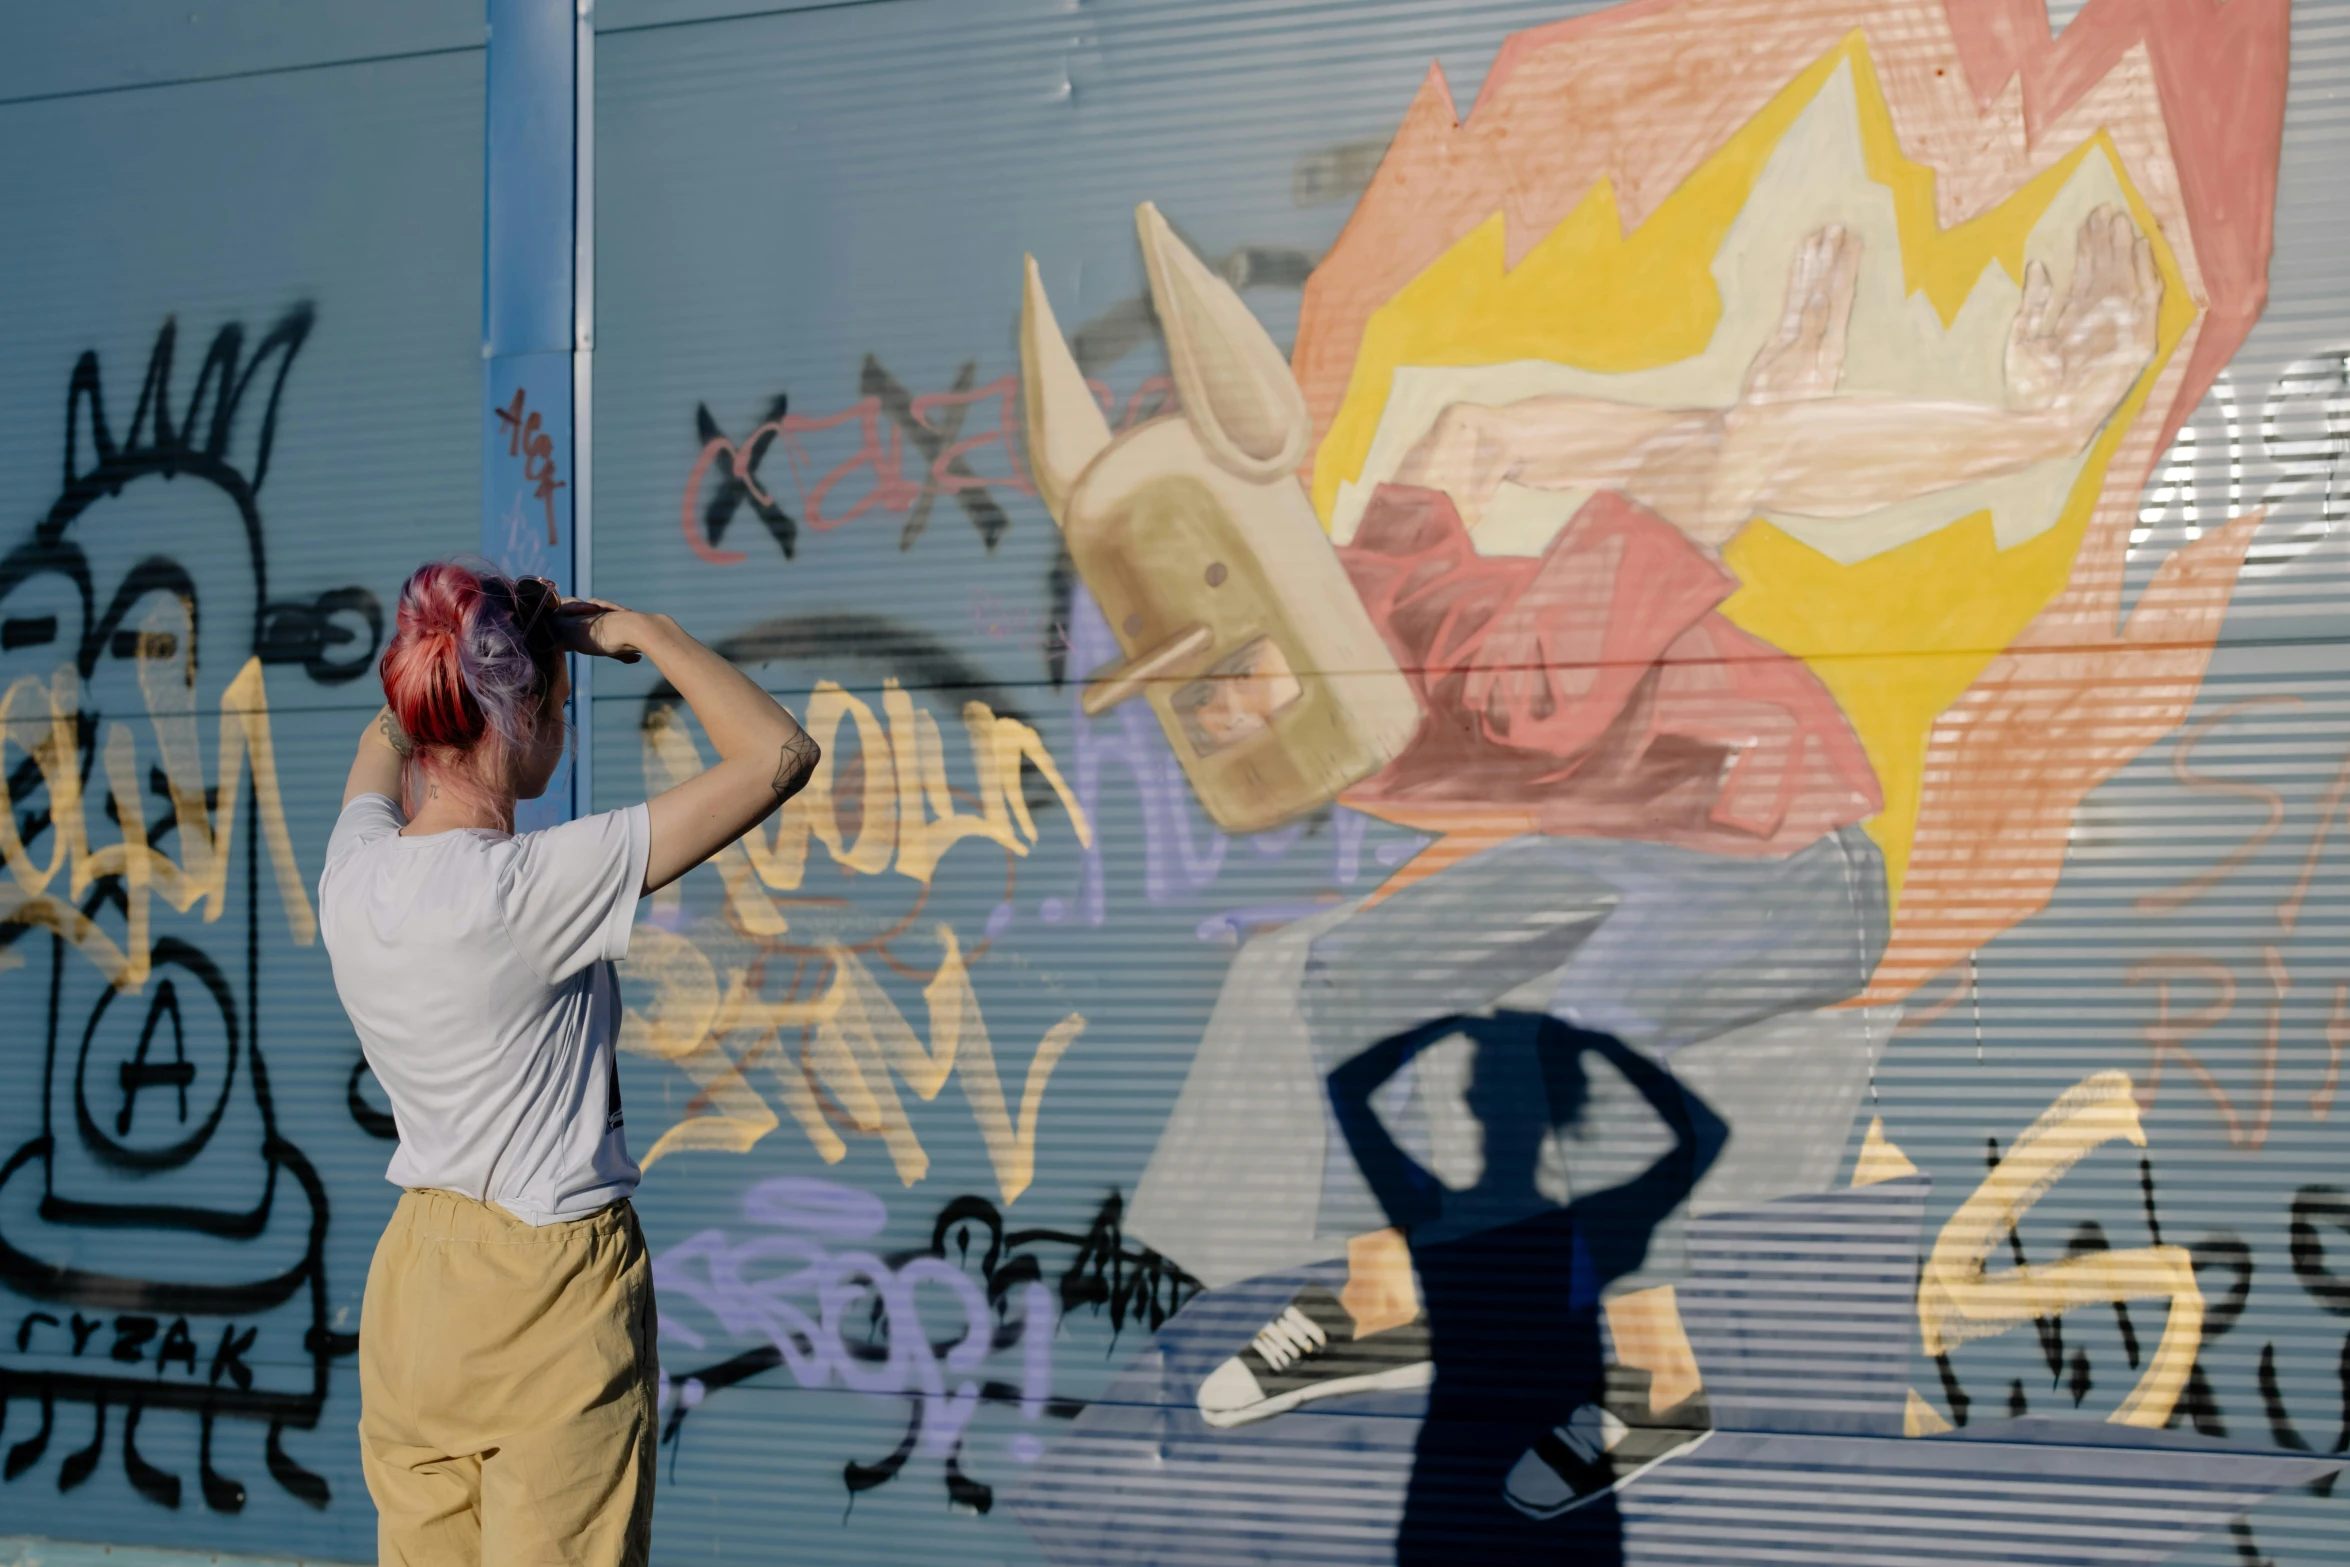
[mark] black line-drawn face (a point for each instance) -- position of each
(130, 901)
(180, 610)
(150, 605)
(44, 609)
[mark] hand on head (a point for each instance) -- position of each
(597, 628)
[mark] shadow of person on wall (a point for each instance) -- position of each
(1513, 1302)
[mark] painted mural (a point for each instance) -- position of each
(1588, 820)
(1694, 531)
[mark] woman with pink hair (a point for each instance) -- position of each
(506, 1345)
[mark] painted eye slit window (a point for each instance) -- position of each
(1238, 698)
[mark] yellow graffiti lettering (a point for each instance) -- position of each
(671, 757)
(1958, 1300)
(42, 720)
(130, 859)
(908, 816)
(857, 1042)
(167, 683)
(38, 720)
(681, 1026)
(1919, 1418)
(244, 736)
(857, 1046)
(781, 859)
(837, 1061)
(1009, 743)
(877, 815)
(955, 1024)
(928, 822)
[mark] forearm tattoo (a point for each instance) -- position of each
(793, 763)
(394, 735)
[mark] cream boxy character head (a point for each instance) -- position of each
(1237, 621)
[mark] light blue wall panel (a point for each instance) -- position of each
(316, 235)
(55, 50)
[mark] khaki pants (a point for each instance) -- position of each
(507, 1388)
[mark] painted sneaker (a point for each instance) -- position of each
(1310, 1352)
(1604, 1447)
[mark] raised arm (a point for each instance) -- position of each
(1558, 442)
(383, 750)
(764, 756)
(1794, 443)
(2069, 364)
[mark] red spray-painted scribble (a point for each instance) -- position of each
(885, 423)
(524, 439)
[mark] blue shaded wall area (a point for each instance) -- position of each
(244, 376)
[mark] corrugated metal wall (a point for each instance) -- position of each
(240, 339)
(1999, 1213)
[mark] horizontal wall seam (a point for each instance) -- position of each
(740, 16)
(240, 76)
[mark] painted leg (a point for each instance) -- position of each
(1646, 1328)
(1380, 1291)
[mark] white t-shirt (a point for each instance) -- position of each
(477, 968)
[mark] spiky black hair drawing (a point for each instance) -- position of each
(214, 438)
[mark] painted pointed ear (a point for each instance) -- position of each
(1066, 429)
(1243, 402)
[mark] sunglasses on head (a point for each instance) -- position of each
(535, 602)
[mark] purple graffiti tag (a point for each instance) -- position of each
(829, 1310)
(823, 1309)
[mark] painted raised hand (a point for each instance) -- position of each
(1805, 357)
(2074, 358)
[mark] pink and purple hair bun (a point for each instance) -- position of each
(474, 653)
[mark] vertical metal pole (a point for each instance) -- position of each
(538, 311)
(583, 403)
